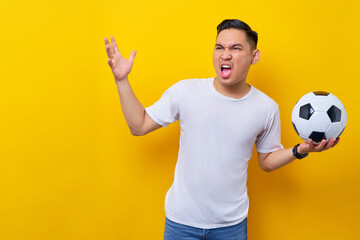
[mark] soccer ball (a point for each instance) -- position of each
(319, 115)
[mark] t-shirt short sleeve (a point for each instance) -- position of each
(166, 109)
(269, 139)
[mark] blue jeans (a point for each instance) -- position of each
(177, 231)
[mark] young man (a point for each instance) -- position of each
(221, 119)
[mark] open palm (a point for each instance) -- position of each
(309, 146)
(120, 66)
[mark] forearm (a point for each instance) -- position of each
(133, 110)
(277, 159)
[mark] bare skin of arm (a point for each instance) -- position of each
(274, 160)
(139, 122)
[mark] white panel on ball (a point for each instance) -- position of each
(305, 99)
(343, 117)
(319, 121)
(303, 127)
(321, 103)
(334, 130)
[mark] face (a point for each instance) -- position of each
(233, 56)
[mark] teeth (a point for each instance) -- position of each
(225, 66)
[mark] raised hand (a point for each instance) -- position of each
(120, 66)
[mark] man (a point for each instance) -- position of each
(221, 119)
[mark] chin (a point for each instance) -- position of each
(226, 81)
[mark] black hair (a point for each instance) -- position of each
(252, 36)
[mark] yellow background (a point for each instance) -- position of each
(69, 167)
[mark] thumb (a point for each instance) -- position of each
(132, 56)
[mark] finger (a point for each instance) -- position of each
(132, 56)
(109, 49)
(320, 147)
(329, 144)
(106, 41)
(110, 63)
(114, 44)
(311, 145)
(336, 142)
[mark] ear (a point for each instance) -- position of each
(255, 56)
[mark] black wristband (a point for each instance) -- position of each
(298, 155)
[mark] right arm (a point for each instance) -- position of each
(139, 122)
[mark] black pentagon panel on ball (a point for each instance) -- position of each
(317, 136)
(334, 114)
(306, 111)
(323, 93)
(295, 128)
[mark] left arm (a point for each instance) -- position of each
(279, 158)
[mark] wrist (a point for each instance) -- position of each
(297, 154)
(121, 81)
(301, 151)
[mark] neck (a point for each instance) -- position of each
(236, 90)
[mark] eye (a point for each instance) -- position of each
(236, 48)
(218, 48)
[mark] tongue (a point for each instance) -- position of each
(225, 73)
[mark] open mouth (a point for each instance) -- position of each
(225, 70)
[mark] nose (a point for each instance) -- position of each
(226, 55)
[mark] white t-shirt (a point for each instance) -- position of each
(217, 137)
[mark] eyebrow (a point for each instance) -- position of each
(234, 45)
